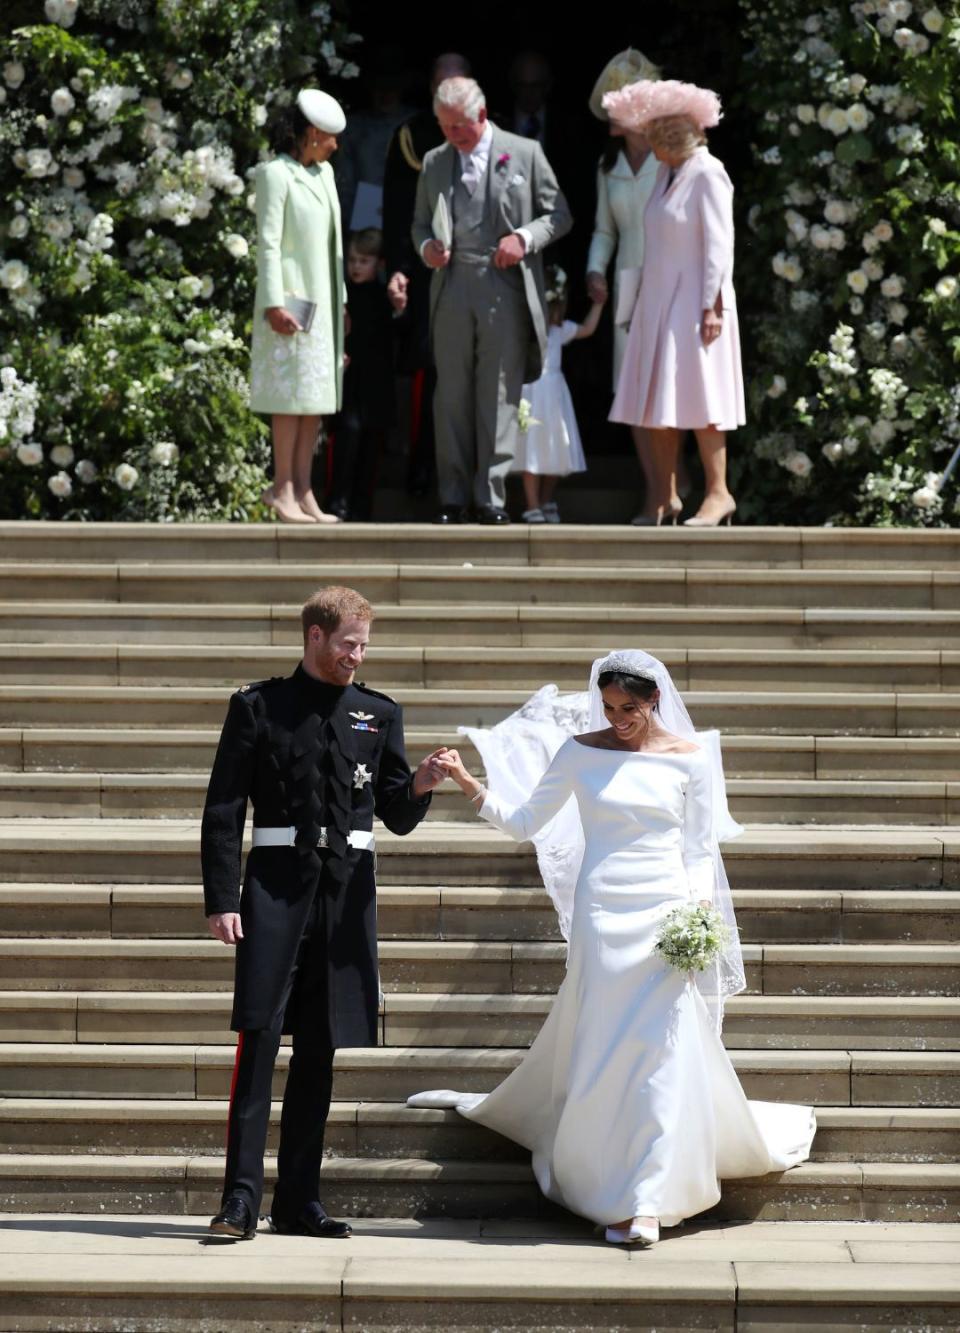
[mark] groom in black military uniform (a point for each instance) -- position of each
(318, 756)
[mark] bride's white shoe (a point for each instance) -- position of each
(637, 1233)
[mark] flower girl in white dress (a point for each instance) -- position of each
(549, 444)
(627, 1099)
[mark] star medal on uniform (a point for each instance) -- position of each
(363, 722)
(361, 776)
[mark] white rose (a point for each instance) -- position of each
(882, 230)
(236, 245)
(14, 73)
(206, 286)
(873, 269)
(14, 274)
(62, 102)
(932, 20)
(796, 223)
(920, 44)
(61, 455)
(856, 84)
(870, 242)
(898, 312)
(857, 281)
(900, 344)
(903, 37)
(850, 445)
(165, 453)
(858, 117)
(152, 108)
(125, 476)
(806, 114)
(39, 162)
(945, 288)
(900, 9)
(837, 122)
(190, 287)
(86, 471)
(892, 286)
(832, 452)
(882, 432)
(835, 211)
(19, 226)
(837, 238)
(798, 463)
(856, 305)
(778, 386)
(259, 116)
(819, 237)
(73, 178)
(30, 454)
(885, 25)
(937, 226)
(60, 484)
(925, 498)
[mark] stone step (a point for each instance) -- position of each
(106, 1127)
(807, 548)
(456, 624)
(888, 713)
(179, 750)
(542, 1274)
(387, 582)
(186, 1072)
(760, 801)
(368, 1187)
(752, 1022)
(171, 911)
(506, 667)
(470, 967)
(154, 851)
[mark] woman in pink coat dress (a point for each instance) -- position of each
(681, 370)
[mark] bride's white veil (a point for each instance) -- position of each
(517, 752)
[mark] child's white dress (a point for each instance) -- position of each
(551, 446)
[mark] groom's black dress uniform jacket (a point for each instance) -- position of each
(308, 755)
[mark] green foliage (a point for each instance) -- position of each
(853, 347)
(129, 132)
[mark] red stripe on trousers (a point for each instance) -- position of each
(233, 1083)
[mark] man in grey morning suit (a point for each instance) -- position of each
(487, 305)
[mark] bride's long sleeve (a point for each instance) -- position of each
(698, 839)
(550, 794)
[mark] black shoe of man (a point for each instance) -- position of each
(233, 1222)
(492, 514)
(451, 514)
(312, 1221)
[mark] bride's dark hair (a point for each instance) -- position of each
(638, 686)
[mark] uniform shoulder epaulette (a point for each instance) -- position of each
(261, 684)
(377, 694)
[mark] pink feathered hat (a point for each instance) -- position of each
(647, 100)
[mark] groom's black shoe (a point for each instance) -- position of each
(233, 1222)
(312, 1221)
(451, 514)
(492, 514)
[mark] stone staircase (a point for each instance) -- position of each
(830, 660)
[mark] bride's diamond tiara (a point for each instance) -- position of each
(617, 662)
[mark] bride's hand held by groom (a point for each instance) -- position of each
(455, 769)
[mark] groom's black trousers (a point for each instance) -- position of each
(306, 1101)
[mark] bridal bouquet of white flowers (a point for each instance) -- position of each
(692, 937)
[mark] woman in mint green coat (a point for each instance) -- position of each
(296, 373)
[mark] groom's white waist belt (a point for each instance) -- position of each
(361, 839)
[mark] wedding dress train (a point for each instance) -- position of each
(627, 1099)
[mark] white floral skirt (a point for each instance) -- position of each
(293, 373)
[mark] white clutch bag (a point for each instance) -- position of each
(628, 290)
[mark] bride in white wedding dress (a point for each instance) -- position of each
(627, 1099)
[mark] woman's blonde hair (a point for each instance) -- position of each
(676, 134)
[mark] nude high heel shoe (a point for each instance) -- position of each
(725, 516)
